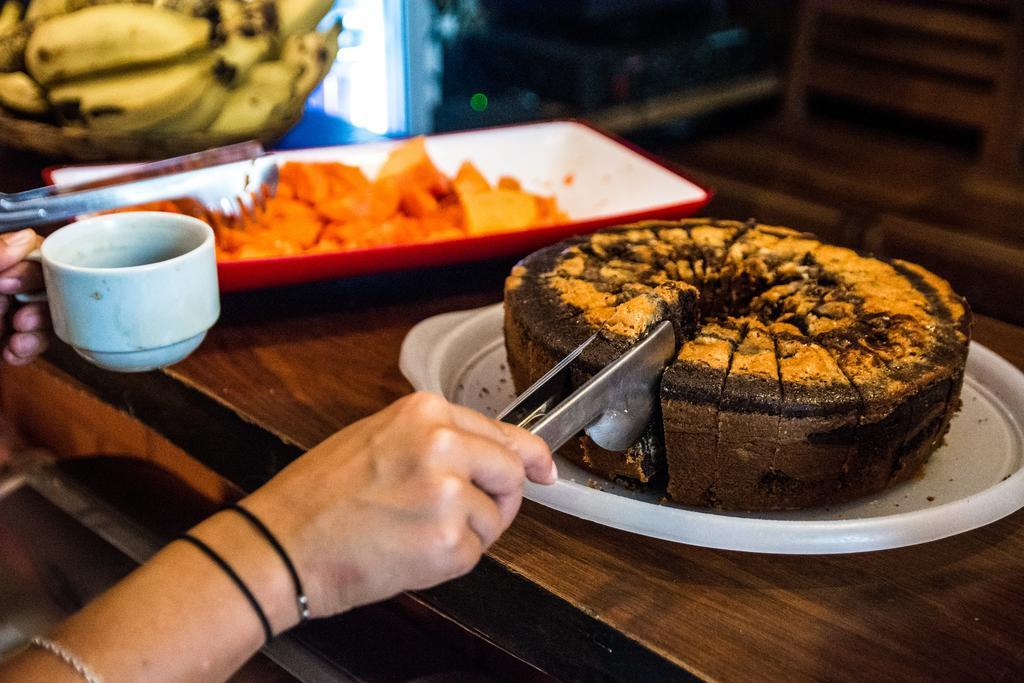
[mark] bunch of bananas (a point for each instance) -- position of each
(227, 67)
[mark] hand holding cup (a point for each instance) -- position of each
(133, 291)
(26, 330)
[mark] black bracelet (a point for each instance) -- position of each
(300, 594)
(208, 551)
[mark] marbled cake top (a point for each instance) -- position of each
(800, 327)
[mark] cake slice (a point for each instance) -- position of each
(624, 326)
(691, 389)
(818, 422)
(748, 425)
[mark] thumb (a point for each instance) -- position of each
(15, 246)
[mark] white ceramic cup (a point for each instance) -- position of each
(131, 291)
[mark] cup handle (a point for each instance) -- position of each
(32, 297)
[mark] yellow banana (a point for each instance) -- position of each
(315, 53)
(300, 16)
(108, 37)
(19, 93)
(200, 116)
(261, 100)
(193, 8)
(246, 18)
(10, 16)
(12, 47)
(137, 99)
(239, 53)
(41, 9)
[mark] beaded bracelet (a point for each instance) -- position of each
(300, 594)
(268, 634)
(67, 657)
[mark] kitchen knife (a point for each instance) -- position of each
(613, 407)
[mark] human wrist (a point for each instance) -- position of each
(256, 564)
(301, 599)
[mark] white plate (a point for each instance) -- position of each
(973, 480)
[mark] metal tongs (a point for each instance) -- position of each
(228, 183)
(613, 407)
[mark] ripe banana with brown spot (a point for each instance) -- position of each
(109, 37)
(246, 18)
(192, 8)
(239, 53)
(19, 93)
(263, 99)
(314, 52)
(12, 47)
(137, 99)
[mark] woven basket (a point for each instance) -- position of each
(83, 144)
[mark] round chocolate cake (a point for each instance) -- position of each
(807, 374)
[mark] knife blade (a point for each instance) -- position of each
(613, 407)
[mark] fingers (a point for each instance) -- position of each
(15, 246)
(484, 517)
(29, 325)
(493, 455)
(531, 449)
(465, 555)
(31, 318)
(487, 463)
(493, 469)
(23, 347)
(21, 277)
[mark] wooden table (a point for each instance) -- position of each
(285, 368)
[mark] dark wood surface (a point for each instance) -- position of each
(285, 368)
(918, 198)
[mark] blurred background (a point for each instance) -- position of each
(422, 66)
(893, 126)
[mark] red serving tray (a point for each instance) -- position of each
(599, 179)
